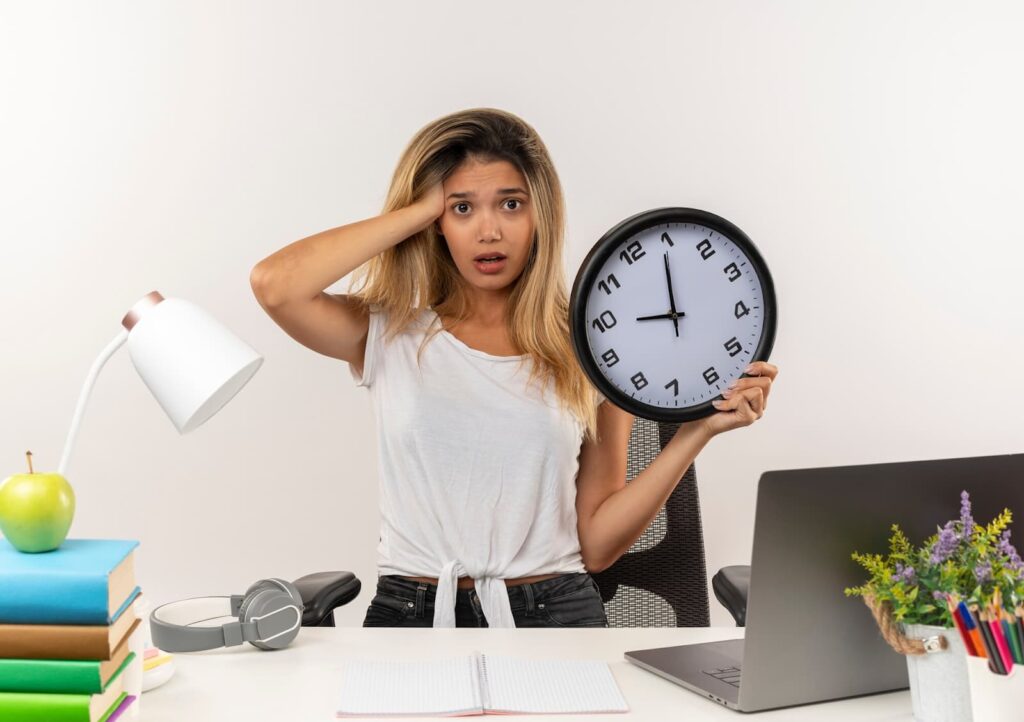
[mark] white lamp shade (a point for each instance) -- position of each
(191, 363)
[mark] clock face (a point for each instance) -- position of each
(670, 307)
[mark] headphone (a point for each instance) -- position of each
(269, 615)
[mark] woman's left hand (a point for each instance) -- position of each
(743, 403)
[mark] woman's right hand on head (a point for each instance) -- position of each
(433, 201)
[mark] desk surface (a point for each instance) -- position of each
(300, 683)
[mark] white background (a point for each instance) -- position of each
(872, 151)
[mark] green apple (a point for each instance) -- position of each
(36, 510)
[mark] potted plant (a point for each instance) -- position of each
(907, 592)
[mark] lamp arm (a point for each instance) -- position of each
(90, 381)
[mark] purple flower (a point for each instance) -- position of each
(966, 520)
(1007, 549)
(939, 595)
(983, 572)
(905, 574)
(945, 544)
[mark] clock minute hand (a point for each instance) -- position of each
(668, 278)
(671, 297)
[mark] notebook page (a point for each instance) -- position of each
(550, 686)
(430, 687)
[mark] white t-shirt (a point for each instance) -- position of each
(477, 472)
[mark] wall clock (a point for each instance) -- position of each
(668, 308)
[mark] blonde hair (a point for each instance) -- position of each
(420, 271)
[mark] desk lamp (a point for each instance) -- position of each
(192, 365)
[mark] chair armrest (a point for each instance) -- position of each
(731, 586)
(323, 591)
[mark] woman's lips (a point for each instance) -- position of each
(490, 266)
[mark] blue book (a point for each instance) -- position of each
(84, 581)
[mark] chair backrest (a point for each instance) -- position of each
(662, 580)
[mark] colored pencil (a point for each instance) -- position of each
(972, 629)
(1010, 632)
(1001, 645)
(1018, 613)
(1000, 619)
(961, 626)
(990, 646)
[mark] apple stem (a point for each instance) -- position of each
(28, 455)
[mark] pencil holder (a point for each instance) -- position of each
(995, 697)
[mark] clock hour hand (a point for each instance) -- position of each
(662, 315)
(671, 297)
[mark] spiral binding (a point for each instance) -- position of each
(485, 688)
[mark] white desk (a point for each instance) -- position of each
(300, 683)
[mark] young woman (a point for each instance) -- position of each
(502, 468)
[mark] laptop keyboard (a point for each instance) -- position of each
(729, 675)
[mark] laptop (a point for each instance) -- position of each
(805, 640)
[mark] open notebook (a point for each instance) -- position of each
(477, 684)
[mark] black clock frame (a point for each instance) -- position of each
(587, 276)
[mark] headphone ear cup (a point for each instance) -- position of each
(282, 585)
(250, 597)
(293, 591)
(256, 586)
(264, 602)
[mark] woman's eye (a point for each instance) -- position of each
(458, 206)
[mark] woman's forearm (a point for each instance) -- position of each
(624, 516)
(303, 269)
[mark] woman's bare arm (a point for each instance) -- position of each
(611, 516)
(290, 283)
(303, 269)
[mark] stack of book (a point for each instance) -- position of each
(68, 641)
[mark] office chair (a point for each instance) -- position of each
(662, 580)
(321, 592)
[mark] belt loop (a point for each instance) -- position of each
(528, 593)
(421, 599)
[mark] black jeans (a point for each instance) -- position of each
(568, 600)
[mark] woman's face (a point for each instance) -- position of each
(487, 213)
